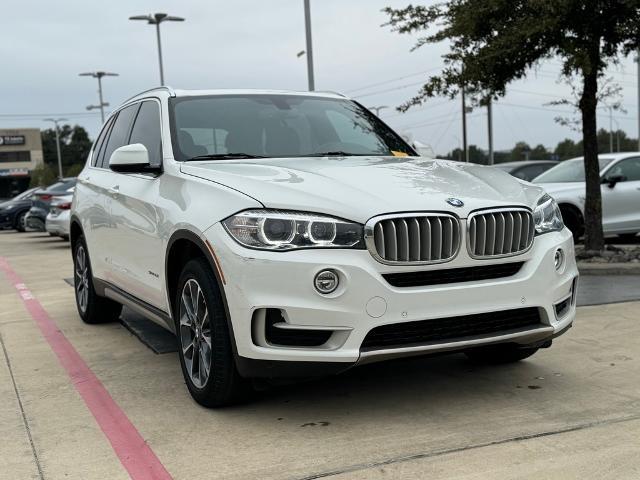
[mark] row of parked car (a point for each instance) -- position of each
(40, 209)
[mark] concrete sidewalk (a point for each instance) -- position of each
(572, 411)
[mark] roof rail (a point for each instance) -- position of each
(170, 90)
(332, 92)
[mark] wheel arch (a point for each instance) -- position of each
(183, 245)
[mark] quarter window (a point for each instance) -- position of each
(119, 135)
(146, 130)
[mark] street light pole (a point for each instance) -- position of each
(464, 127)
(307, 24)
(99, 75)
(55, 122)
(156, 19)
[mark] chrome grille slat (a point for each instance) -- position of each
(499, 232)
(413, 238)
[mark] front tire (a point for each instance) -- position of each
(497, 354)
(21, 222)
(204, 340)
(91, 307)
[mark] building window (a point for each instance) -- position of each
(24, 156)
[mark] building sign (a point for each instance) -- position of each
(11, 140)
(14, 172)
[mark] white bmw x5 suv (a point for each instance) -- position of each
(283, 234)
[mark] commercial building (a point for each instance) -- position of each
(20, 152)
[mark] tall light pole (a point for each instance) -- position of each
(156, 19)
(638, 82)
(99, 74)
(55, 121)
(307, 24)
(490, 129)
(377, 109)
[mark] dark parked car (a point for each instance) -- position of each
(37, 215)
(527, 169)
(14, 211)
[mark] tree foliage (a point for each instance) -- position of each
(75, 145)
(494, 42)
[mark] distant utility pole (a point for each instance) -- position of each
(490, 128)
(377, 109)
(55, 122)
(156, 19)
(464, 127)
(610, 130)
(307, 24)
(638, 82)
(102, 103)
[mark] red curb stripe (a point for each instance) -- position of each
(134, 454)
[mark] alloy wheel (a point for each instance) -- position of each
(195, 333)
(82, 278)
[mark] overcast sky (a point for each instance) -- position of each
(253, 44)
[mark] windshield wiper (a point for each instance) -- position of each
(222, 156)
(336, 153)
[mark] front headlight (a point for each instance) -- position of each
(286, 230)
(547, 216)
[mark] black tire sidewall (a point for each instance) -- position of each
(223, 382)
(20, 224)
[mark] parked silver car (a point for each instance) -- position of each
(620, 177)
(59, 216)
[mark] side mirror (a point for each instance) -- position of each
(132, 158)
(611, 180)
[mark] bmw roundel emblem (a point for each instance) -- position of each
(455, 202)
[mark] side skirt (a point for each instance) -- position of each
(106, 289)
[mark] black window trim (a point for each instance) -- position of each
(133, 122)
(95, 155)
(114, 116)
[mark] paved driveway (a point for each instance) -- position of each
(572, 411)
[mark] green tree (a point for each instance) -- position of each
(75, 145)
(494, 42)
(521, 151)
(567, 148)
(42, 176)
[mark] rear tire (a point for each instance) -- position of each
(497, 354)
(21, 223)
(92, 308)
(204, 340)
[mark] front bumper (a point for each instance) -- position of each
(58, 223)
(257, 280)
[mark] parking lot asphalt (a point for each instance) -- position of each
(572, 411)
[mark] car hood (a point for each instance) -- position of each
(358, 188)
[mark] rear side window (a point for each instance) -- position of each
(146, 130)
(100, 142)
(119, 135)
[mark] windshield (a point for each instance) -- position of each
(278, 126)
(568, 171)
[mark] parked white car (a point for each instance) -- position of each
(58, 219)
(620, 174)
(284, 234)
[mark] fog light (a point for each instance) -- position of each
(326, 281)
(558, 259)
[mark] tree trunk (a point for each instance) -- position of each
(594, 238)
